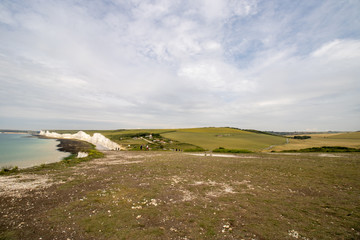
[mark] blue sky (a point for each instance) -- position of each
(267, 65)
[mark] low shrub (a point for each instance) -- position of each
(325, 149)
(8, 170)
(194, 150)
(224, 150)
(301, 137)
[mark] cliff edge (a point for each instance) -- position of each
(99, 140)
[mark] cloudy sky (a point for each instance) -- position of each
(268, 64)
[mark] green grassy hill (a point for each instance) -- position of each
(212, 138)
(199, 139)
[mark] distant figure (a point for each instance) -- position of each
(141, 147)
(147, 147)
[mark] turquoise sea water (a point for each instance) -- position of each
(23, 151)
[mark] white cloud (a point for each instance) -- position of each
(339, 49)
(216, 10)
(180, 63)
(6, 16)
(215, 76)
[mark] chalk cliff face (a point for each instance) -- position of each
(97, 139)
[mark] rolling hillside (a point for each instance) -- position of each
(192, 138)
(212, 138)
(201, 139)
(351, 139)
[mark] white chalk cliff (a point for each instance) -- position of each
(97, 139)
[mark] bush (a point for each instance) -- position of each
(302, 137)
(8, 170)
(325, 149)
(194, 150)
(224, 150)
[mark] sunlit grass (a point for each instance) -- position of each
(178, 196)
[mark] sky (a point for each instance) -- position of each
(279, 65)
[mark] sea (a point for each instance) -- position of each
(24, 150)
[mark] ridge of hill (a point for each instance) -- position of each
(191, 139)
(210, 138)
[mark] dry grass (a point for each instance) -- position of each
(153, 195)
(351, 140)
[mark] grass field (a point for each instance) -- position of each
(211, 138)
(172, 195)
(351, 140)
(194, 138)
(202, 139)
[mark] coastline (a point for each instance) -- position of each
(69, 149)
(14, 133)
(99, 140)
(25, 151)
(72, 146)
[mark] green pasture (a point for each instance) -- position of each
(212, 138)
(187, 139)
(202, 138)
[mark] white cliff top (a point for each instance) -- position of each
(97, 139)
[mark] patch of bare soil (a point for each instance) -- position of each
(21, 185)
(328, 155)
(220, 155)
(218, 188)
(116, 158)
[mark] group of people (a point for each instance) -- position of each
(147, 147)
